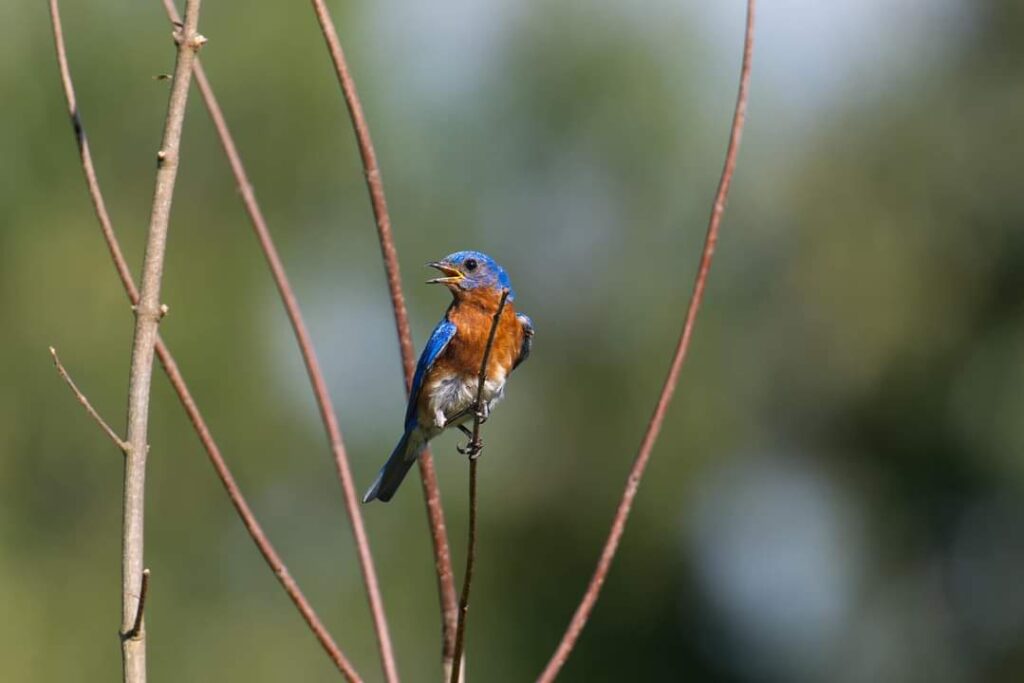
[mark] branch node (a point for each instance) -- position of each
(198, 41)
(151, 314)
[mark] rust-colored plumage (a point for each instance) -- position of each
(445, 386)
(472, 316)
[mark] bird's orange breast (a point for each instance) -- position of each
(473, 315)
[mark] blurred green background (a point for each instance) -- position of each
(837, 495)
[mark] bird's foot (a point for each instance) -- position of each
(473, 447)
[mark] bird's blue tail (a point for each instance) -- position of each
(397, 466)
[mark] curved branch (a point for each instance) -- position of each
(428, 476)
(611, 545)
(177, 381)
(313, 370)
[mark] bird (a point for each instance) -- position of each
(444, 386)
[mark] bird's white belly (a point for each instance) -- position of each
(452, 396)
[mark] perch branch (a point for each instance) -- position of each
(316, 378)
(147, 319)
(586, 605)
(458, 659)
(428, 476)
(177, 381)
(473, 450)
(118, 441)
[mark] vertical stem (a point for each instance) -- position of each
(467, 581)
(147, 318)
(473, 450)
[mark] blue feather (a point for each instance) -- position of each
(439, 339)
(524, 349)
(396, 467)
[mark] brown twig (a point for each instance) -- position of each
(313, 370)
(428, 476)
(137, 626)
(177, 381)
(473, 450)
(586, 605)
(147, 318)
(252, 525)
(118, 441)
(99, 205)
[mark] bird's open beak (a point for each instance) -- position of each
(452, 275)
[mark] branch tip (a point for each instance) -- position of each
(122, 445)
(137, 626)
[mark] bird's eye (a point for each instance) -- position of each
(470, 264)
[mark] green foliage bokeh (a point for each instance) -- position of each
(864, 320)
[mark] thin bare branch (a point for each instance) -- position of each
(147, 318)
(428, 475)
(137, 626)
(118, 441)
(458, 657)
(252, 525)
(316, 378)
(611, 545)
(177, 381)
(99, 205)
(473, 450)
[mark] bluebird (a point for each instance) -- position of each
(444, 387)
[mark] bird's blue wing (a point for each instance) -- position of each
(524, 350)
(439, 339)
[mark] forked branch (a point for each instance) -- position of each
(177, 380)
(611, 545)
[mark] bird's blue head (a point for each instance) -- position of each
(469, 270)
